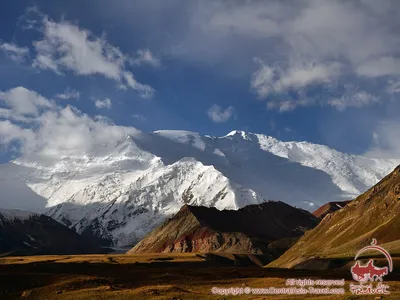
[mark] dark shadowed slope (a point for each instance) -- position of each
(25, 233)
(374, 214)
(247, 230)
(329, 208)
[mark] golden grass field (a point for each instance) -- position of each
(152, 276)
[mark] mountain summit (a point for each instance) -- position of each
(121, 191)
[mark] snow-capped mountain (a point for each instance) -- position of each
(122, 191)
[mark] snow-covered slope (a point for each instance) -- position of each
(122, 191)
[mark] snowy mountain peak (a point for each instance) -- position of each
(121, 190)
(239, 133)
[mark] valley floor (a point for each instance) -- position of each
(153, 276)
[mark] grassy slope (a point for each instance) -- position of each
(374, 214)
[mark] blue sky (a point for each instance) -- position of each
(327, 72)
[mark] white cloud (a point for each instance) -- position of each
(144, 56)
(144, 90)
(383, 66)
(24, 102)
(106, 103)
(65, 46)
(10, 132)
(71, 48)
(45, 62)
(263, 80)
(322, 30)
(300, 43)
(57, 130)
(359, 99)
(49, 131)
(14, 52)
(298, 77)
(9, 114)
(218, 115)
(83, 133)
(269, 80)
(68, 94)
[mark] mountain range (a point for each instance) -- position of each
(26, 233)
(121, 191)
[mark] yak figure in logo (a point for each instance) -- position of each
(363, 273)
(368, 272)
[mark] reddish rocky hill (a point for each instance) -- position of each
(329, 208)
(247, 230)
(374, 214)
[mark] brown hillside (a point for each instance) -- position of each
(247, 230)
(374, 214)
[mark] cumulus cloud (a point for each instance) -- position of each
(83, 133)
(219, 115)
(106, 103)
(68, 94)
(24, 102)
(269, 80)
(65, 46)
(14, 52)
(69, 47)
(58, 131)
(10, 132)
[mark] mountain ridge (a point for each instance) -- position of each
(247, 230)
(121, 191)
(27, 233)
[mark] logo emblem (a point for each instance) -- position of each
(369, 272)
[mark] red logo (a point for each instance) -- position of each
(370, 272)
